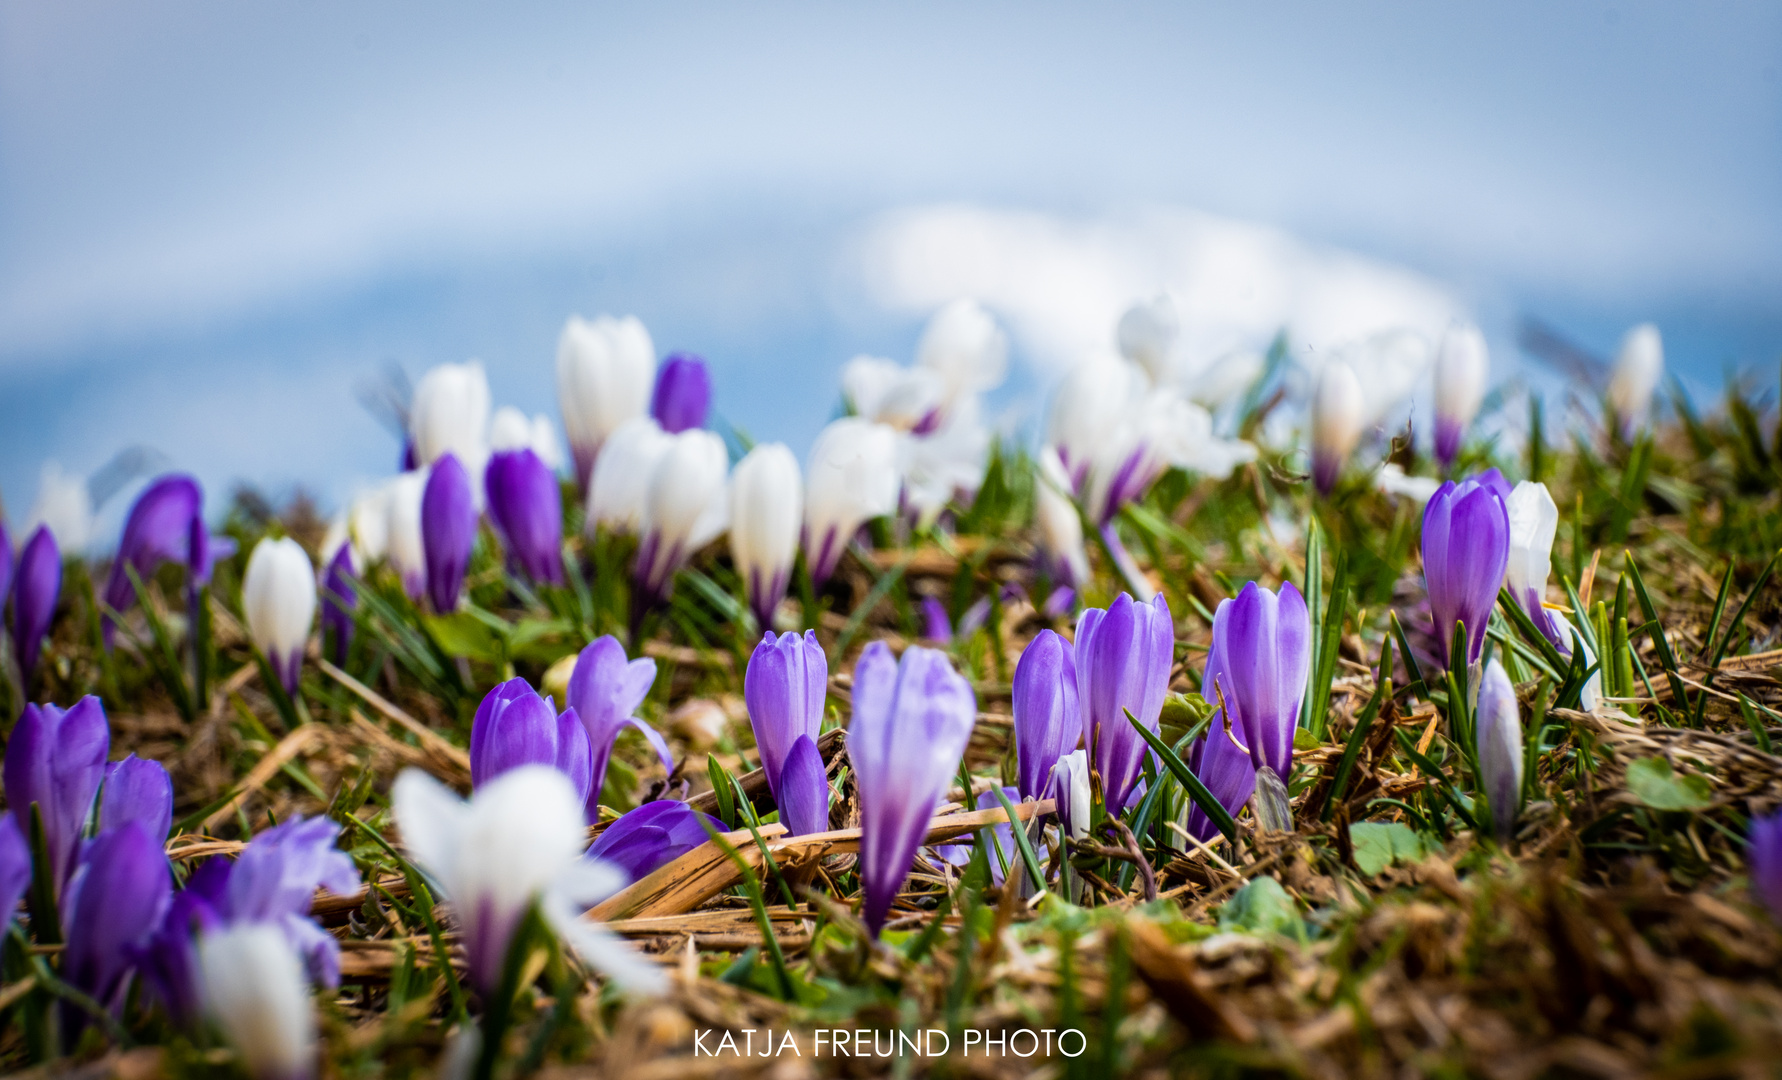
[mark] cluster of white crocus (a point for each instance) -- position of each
(606, 370)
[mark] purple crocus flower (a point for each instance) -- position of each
(605, 689)
(784, 688)
(912, 719)
(1765, 858)
(113, 905)
(448, 530)
(527, 506)
(139, 790)
(1494, 480)
(654, 835)
(1261, 654)
(166, 524)
(1498, 725)
(15, 868)
(1466, 548)
(683, 393)
(1123, 657)
(56, 759)
(936, 626)
(339, 598)
(274, 881)
(35, 591)
(514, 726)
(1048, 723)
(5, 563)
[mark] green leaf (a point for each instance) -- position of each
(1181, 712)
(1263, 907)
(1379, 844)
(1196, 790)
(1653, 783)
(1304, 741)
(462, 634)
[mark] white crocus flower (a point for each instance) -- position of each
(1462, 369)
(1226, 377)
(606, 370)
(257, 992)
(402, 530)
(1060, 527)
(64, 506)
(964, 346)
(890, 393)
(1638, 367)
(1089, 407)
(852, 476)
(278, 595)
(621, 479)
(1070, 786)
(1147, 336)
(511, 430)
(944, 462)
(1534, 522)
(519, 840)
(766, 510)
(1338, 417)
(687, 506)
(450, 415)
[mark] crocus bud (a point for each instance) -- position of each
(1060, 527)
(56, 759)
(964, 346)
(1499, 726)
(402, 534)
(450, 415)
(1638, 367)
(605, 690)
(514, 726)
(683, 394)
(651, 836)
(687, 507)
(278, 595)
(1466, 549)
(1534, 521)
(1147, 335)
(911, 722)
(111, 905)
(1258, 663)
(852, 478)
(784, 687)
(1461, 368)
(256, 991)
(1048, 723)
(510, 430)
(339, 599)
(1088, 408)
(64, 506)
(1764, 855)
(527, 508)
(766, 508)
(604, 372)
(1338, 415)
(36, 588)
(139, 790)
(448, 531)
(166, 524)
(1070, 787)
(519, 841)
(1122, 658)
(621, 480)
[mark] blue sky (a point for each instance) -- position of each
(216, 218)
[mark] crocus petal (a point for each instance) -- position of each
(56, 759)
(15, 868)
(165, 525)
(256, 991)
(683, 393)
(339, 599)
(448, 531)
(137, 790)
(1048, 723)
(653, 835)
(605, 689)
(1259, 662)
(1462, 368)
(766, 508)
(114, 904)
(937, 627)
(1534, 522)
(527, 508)
(1123, 658)
(852, 476)
(604, 373)
(1229, 773)
(804, 798)
(911, 722)
(1070, 786)
(278, 595)
(1499, 726)
(514, 727)
(1339, 414)
(686, 506)
(36, 589)
(1765, 858)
